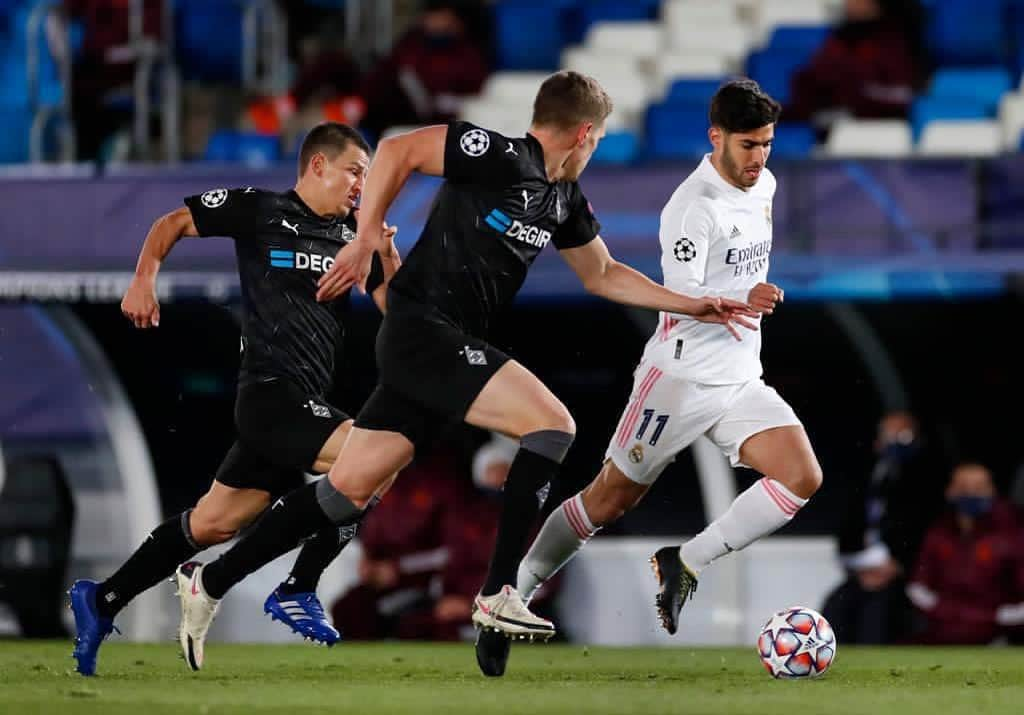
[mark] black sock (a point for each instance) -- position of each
(289, 521)
(316, 555)
(529, 473)
(167, 546)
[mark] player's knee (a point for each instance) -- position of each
(210, 529)
(358, 492)
(807, 480)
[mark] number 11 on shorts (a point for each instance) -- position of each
(661, 421)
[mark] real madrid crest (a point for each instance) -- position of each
(636, 455)
(768, 213)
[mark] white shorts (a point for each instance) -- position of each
(666, 414)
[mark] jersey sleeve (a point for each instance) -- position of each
(474, 155)
(234, 213)
(685, 244)
(376, 277)
(581, 227)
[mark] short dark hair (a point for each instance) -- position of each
(330, 139)
(567, 98)
(740, 105)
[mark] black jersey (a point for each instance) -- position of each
(283, 248)
(494, 213)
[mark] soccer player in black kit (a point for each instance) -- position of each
(284, 242)
(503, 200)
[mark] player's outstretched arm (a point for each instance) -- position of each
(140, 304)
(604, 276)
(396, 158)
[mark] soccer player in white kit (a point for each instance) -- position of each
(698, 379)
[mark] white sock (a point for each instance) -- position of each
(564, 533)
(757, 512)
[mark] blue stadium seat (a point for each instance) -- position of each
(248, 148)
(981, 85)
(529, 34)
(621, 147)
(969, 32)
(13, 52)
(773, 69)
(793, 140)
(693, 91)
(208, 40)
(16, 122)
(798, 38)
(584, 13)
(676, 132)
(926, 109)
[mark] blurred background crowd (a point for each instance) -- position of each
(925, 508)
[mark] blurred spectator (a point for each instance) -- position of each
(430, 70)
(969, 581)
(882, 532)
(101, 82)
(869, 67)
(403, 551)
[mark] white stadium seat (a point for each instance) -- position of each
(679, 13)
(769, 14)
(512, 120)
(966, 138)
(731, 42)
(634, 39)
(511, 87)
(682, 66)
(870, 138)
(1011, 118)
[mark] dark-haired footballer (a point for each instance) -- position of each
(285, 427)
(693, 379)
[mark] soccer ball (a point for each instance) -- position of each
(797, 643)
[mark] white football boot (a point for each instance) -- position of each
(506, 612)
(197, 612)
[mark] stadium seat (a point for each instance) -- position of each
(980, 85)
(625, 39)
(512, 87)
(769, 14)
(793, 140)
(929, 109)
(670, 67)
(870, 138)
(16, 122)
(512, 120)
(731, 42)
(774, 69)
(208, 40)
(690, 13)
(693, 92)
(581, 15)
(1011, 119)
(248, 148)
(961, 138)
(676, 132)
(798, 38)
(529, 34)
(620, 147)
(968, 32)
(631, 95)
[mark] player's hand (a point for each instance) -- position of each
(140, 304)
(764, 296)
(351, 267)
(389, 254)
(730, 313)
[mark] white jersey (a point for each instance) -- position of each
(715, 241)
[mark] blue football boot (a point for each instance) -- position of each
(302, 613)
(92, 628)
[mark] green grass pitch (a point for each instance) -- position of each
(429, 678)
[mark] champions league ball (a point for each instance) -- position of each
(797, 643)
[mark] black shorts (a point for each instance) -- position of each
(281, 430)
(429, 372)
